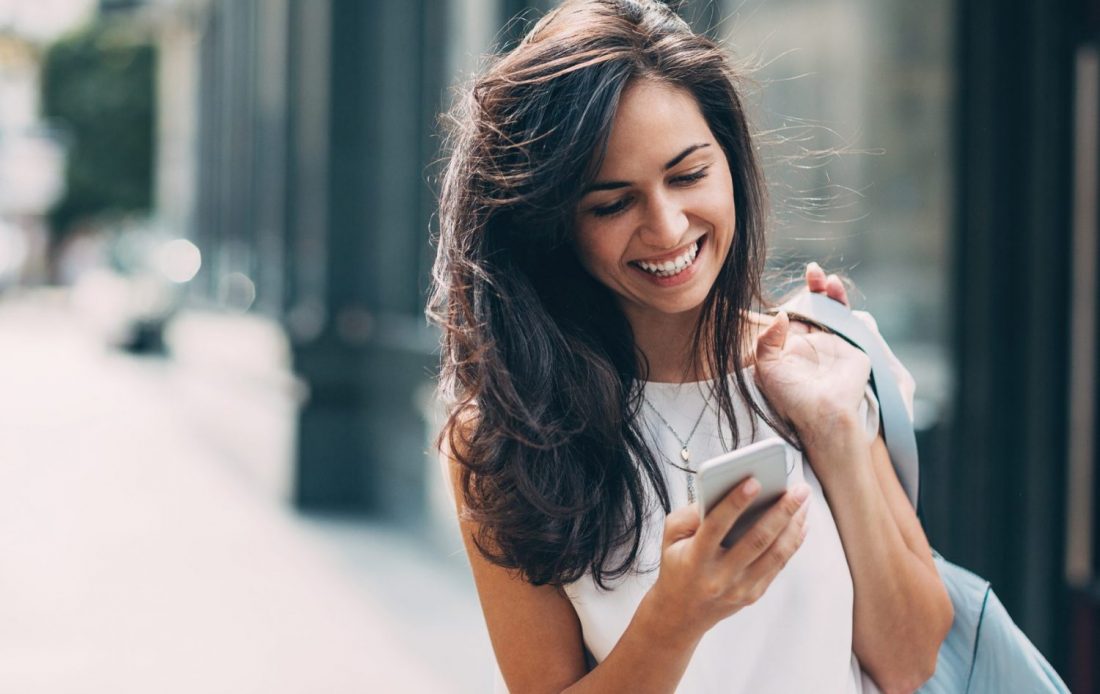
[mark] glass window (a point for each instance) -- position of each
(854, 109)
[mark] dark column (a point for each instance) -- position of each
(271, 147)
(332, 453)
(1007, 471)
(366, 87)
(517, 16)
(208, 199)
(1083, 508)
(231, 156)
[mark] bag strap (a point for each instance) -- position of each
(897, 429)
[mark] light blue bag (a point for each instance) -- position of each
(985, 652)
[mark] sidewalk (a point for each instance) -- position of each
(135, 556)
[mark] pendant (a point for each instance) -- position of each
(684, 455)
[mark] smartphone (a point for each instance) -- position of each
(765, 460)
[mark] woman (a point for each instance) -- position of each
(601, 248)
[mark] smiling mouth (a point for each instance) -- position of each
(673, 266)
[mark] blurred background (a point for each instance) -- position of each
(216, 380)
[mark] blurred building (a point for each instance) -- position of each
(31, 159)
(298, 167)
(298, 144)
(19, 82)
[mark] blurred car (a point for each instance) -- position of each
(129, 284)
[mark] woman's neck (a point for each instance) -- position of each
(666, 342)
(665, 339)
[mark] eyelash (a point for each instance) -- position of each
(620, 205)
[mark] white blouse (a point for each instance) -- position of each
(798, 636)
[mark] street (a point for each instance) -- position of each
(140, 553)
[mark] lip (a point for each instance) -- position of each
(671, 255)
(685, 275)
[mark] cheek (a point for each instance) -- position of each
(595, 249)
(720, 199)
(720, 209)
(584, 250)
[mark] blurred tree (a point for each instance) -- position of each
(98, 85)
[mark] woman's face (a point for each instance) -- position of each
(658, 221)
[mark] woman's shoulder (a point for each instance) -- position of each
(454, 447)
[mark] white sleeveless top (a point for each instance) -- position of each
(798, 636)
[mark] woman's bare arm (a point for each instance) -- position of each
(928, 634)
(902, 610)
(537, 640)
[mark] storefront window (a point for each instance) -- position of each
(854, 106)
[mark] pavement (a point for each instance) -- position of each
(145, 544)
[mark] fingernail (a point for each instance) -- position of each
(813, 265)
(805, 529)
(801, 492)
(751, 487)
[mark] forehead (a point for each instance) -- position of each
(654, 122)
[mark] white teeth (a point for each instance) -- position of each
(674, 266)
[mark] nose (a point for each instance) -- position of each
(665, 222)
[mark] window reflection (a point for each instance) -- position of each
(870, 78)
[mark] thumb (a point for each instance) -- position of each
(681, 523)
(774, 337)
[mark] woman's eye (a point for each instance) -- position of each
(612, 209)
(689, 178)
(621, 204)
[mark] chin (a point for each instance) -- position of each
(675, 306)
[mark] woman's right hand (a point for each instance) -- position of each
(700, 582)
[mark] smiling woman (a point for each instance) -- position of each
(657, 223)
(597, 282)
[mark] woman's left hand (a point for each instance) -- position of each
(818, 283)
(810, 377)
(831, 286)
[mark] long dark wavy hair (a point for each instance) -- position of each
(540, 372)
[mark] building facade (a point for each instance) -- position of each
(301, 145)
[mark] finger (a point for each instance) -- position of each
(759, 538)
(773, 338)
(681, 523)
(720, 518)
(835, 290)
(764, 570)
(815, 277)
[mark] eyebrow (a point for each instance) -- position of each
(612, 185)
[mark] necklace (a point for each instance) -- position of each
(685, 453)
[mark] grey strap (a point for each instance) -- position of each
(897, 429)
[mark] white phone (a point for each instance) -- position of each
(765, 460)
